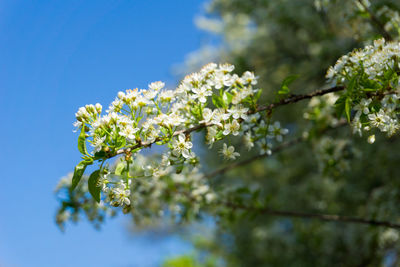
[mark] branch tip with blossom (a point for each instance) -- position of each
(367, 80)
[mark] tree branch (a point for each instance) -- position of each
(322, 217)
(274, 150)
(254, 158)
(297, 98)
(285, 101)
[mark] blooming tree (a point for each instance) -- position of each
(222, 107)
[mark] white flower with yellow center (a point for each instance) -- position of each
(229, 152)
(156, 86)
(129, 132)
(265, 147)
(181, 146)
(121, 195)
(276, 131)
(248, 141)
(239, 112)
(231, 127)
(379, 119)
(201, 94)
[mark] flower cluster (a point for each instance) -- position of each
(155, 188)
(375, 61)
(225, 106)
(215, 99)
(371, 80)
(322, 110)
(385, 117)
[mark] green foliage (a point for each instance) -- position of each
(182, 261)
(284, 90)
(94, 188)
(334, 172)
(78, 172)
(190, 261)
(217, 101)
(120, 168)
(340, 105)
(82, 141)
(347, 108)
(335, 177)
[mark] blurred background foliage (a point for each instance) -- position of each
(337, 173)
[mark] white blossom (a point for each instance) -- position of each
(181, 146)
(276, 131)
(231, 128)
(229, 152)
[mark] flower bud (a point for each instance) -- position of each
(98, 108)
(121, 95)
(371, 139)
(82, 113)
(90, 108)
(128, 157)
(126, 209)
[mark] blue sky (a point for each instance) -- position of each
(56, 56)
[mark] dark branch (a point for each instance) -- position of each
(285, 101)
(322, 217)
(254, 158)
(274, 150)
(297, 98)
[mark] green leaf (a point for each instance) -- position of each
(243, 190)
(388, 74)
(352, 84)
(195, 110)
(219, 135)
(164, 130)
(99, 155)
(78, 172)
(121, 143)
(340, 105)
(284, 90)
(82, 141)
(217, 101)
(94, 189)
(370, 84)
(120, 168)
(258, 94)
(228, 98)
(369, 89)
(179, 169)
(285, 84)
(363, 14)
(348, 108)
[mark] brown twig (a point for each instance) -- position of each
(322, 217)
(285, 101)
(302, 215)
(297, 98)
(254, 158)
(273, 151)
